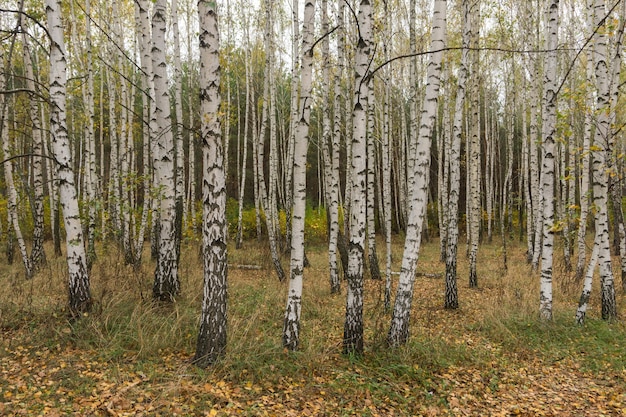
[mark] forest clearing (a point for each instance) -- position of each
(132, 356)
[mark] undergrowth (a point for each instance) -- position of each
(495, 328)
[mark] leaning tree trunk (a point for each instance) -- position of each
(291, 328)
(79, 294)
(211, 344)
(166, 284)
(399, 329)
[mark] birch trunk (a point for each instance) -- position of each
(601, 147)
(291, 329)
(211, 345)
(474, 153)
(79, 294)
(615, 186)
(330, 149)
(583, 303)
(353, 325)
(451, 292)
(149, 129)
(586, 161)
(295, 87)
(399, 329)
(244, 143)
(37, 254)
(166, 283)
(12, 197)
(178, 131)
(386, 160)
(548, 133)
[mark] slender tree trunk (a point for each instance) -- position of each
(143, 25)
(244, 143)
(451, 294)
(386, 160)
(601, 146)
(12, 197)
(474, 152)
(586, 161)
(353, 325)
(291, 329)
(583, 303)
(295, 87)
(211, 344)
(166, 283)
(267, 198)
(549, 153)
(178, 131)
(37, 254)
(329, 149)
(79, 294)
(399, 329)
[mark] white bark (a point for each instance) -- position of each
(586, 161)
(37, 254)
(291, 329)
(330, 148)
(12, 197)
(211, 343)
(149, 128)
(353, 325)
(166, 283)
(79, 295)
(474, 151)
(600, 176)
(549, 153)
(399, 329)
(454, 161)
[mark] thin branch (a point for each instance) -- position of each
(23, 90)
(25, 155)
(31, 17)
(310, 51)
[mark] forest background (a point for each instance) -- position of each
(348, 126)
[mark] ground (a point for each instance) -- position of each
(492, 357)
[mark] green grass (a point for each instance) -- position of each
(496, 328)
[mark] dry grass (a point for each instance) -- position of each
(495, 327)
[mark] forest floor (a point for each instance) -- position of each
(491, 357)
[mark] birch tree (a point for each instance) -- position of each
(291, 329)
(549, 152)
(601, 147)
(211, 344)
(166, 284)
(79, 291)
(37, 254)
(473, 147)
(353, 325)
(399, 329)
(454, 162)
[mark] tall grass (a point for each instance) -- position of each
(495, 324)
